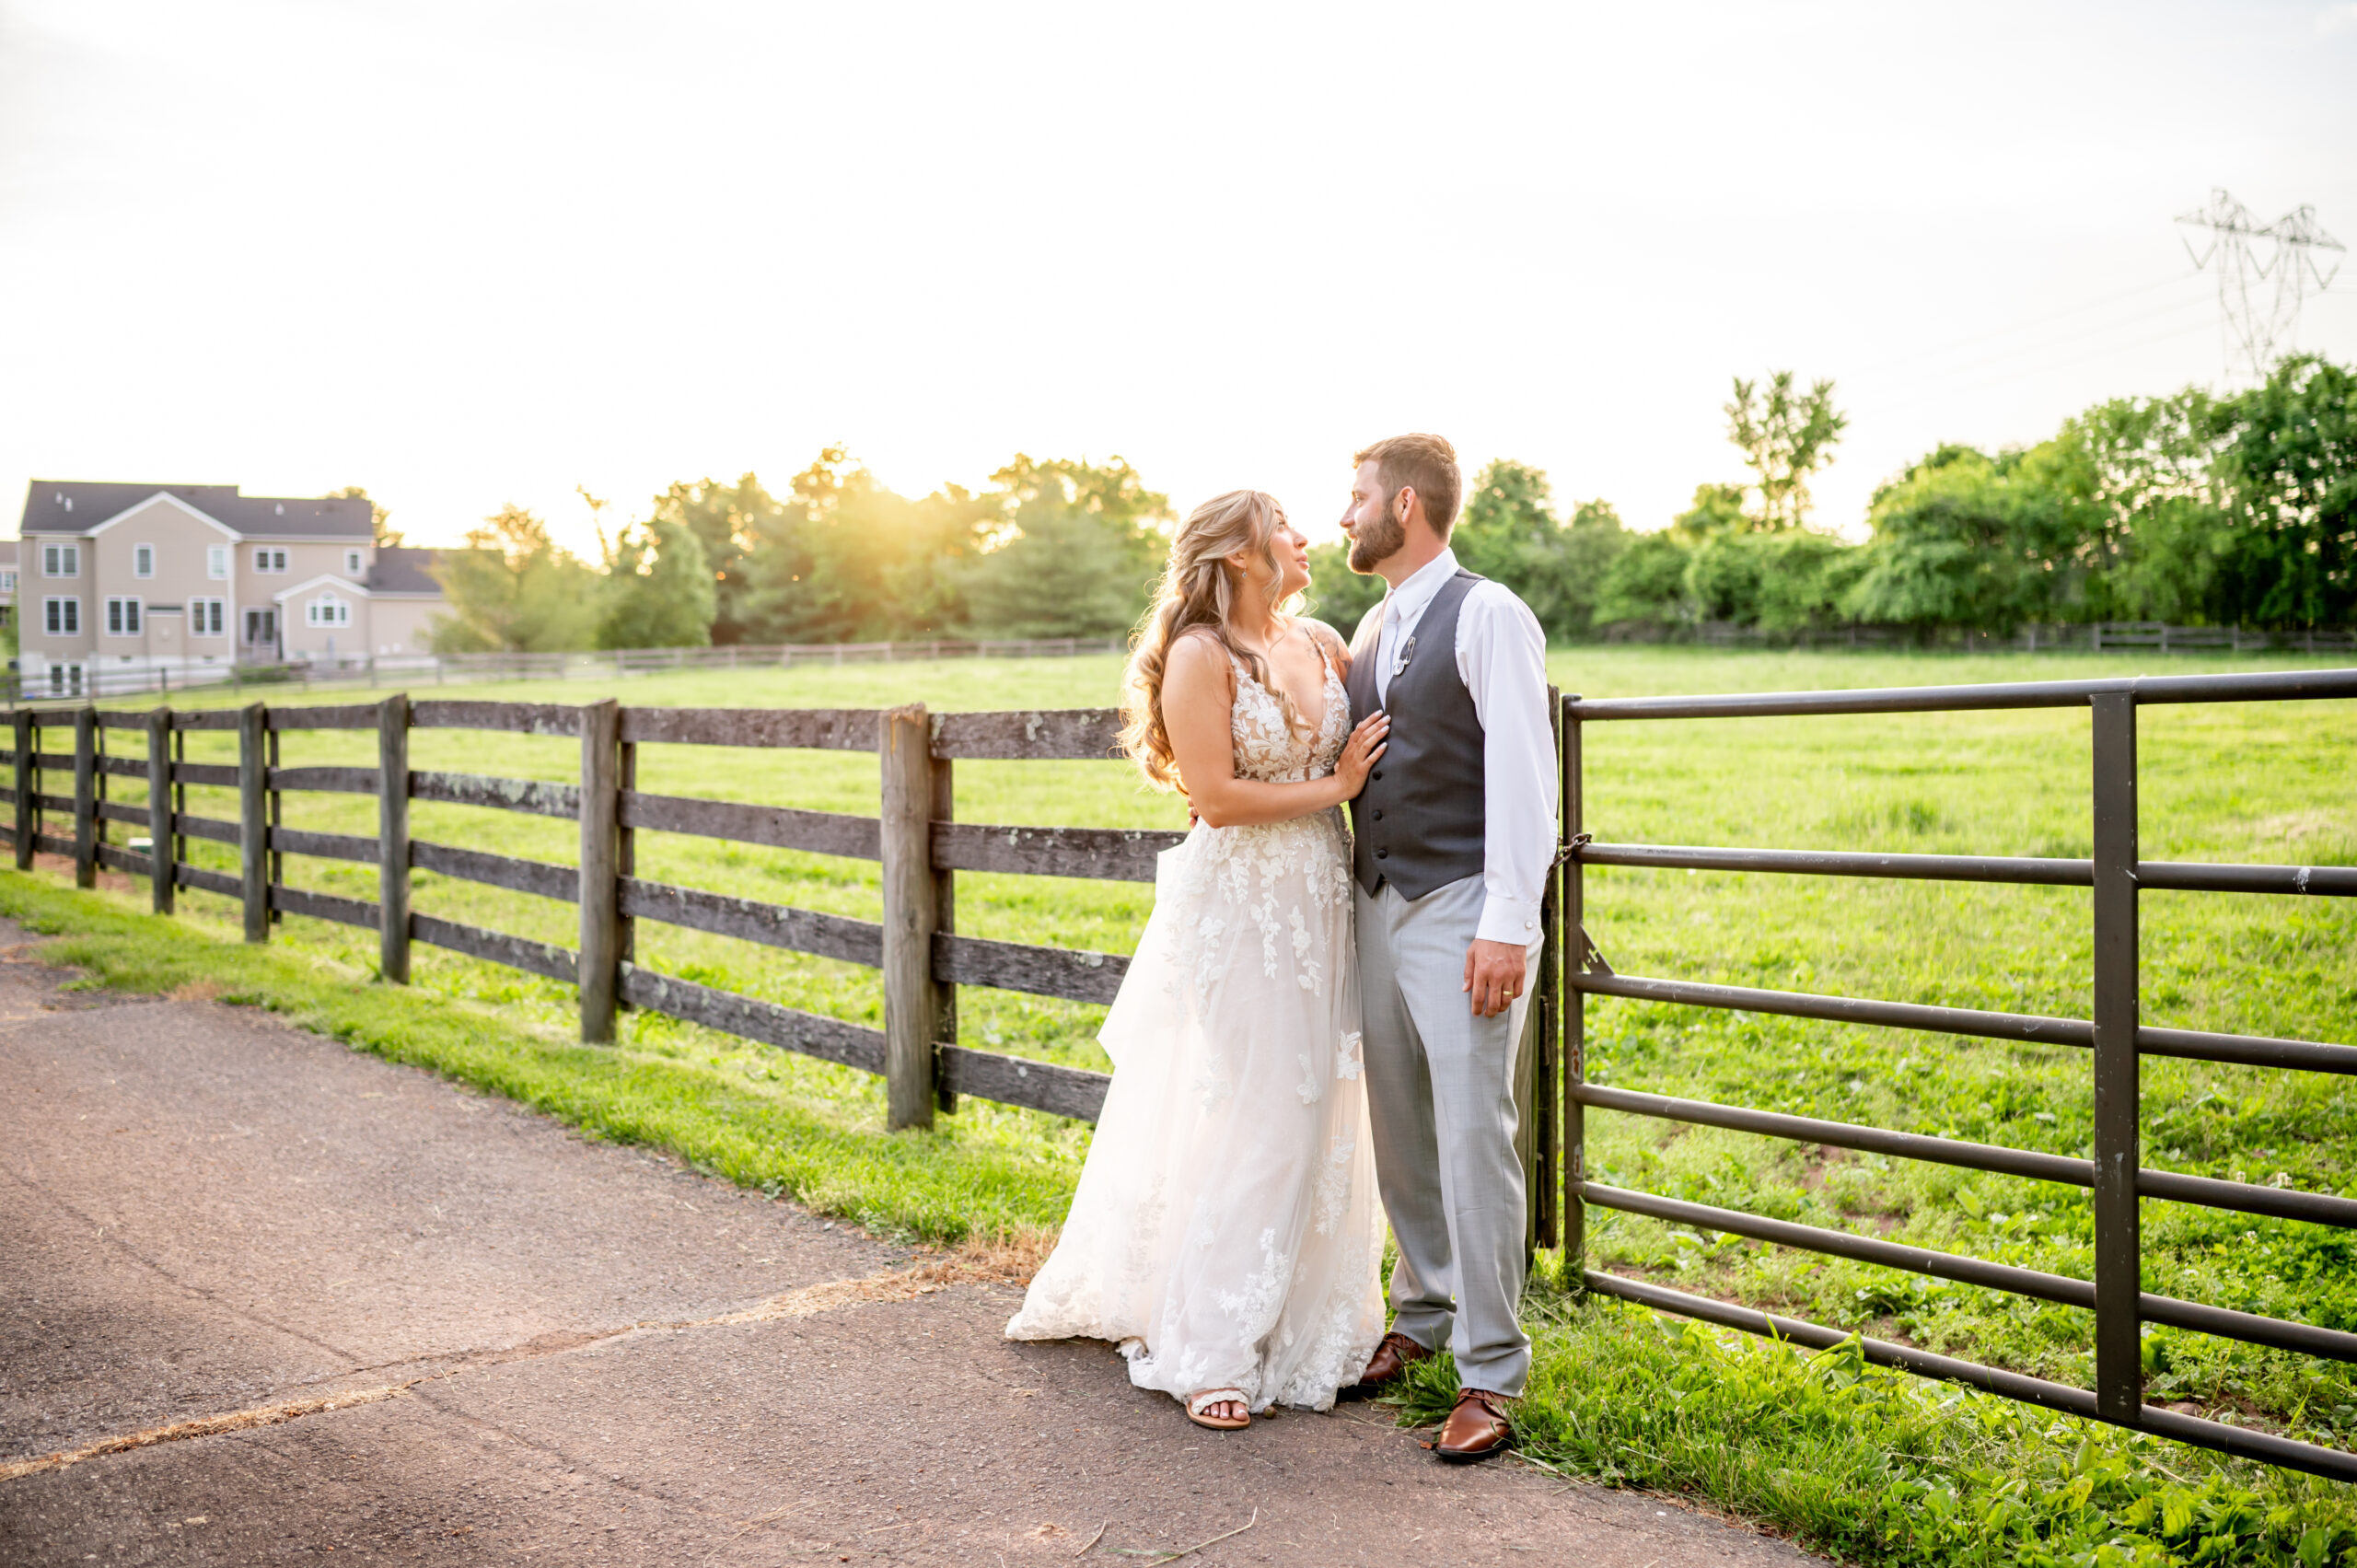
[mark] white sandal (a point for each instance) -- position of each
(1199, 1403)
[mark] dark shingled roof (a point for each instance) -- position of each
(402, 572)
(72, 506)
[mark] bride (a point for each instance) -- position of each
(1226, 1233)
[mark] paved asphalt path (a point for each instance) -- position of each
(492, 1341)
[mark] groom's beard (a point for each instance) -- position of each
(1372, 543)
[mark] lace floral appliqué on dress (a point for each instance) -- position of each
(1226, 1232)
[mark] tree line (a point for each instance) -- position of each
(2197, 508)
(1055, 548)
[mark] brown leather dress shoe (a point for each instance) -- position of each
(1390, 1362)
(1481, 1425)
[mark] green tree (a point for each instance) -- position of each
(658, 590)
(1644, 588)
(1592, 539)
(1701, 567)
(728, 521)
(1509, 532)
(1723, 578)
(2289, 473)
(2140, 521)
(513, 589)
(1805, 581)
(1717, 509)
(847, 559)
(2193, 508)
(1785, 436)
(2188, 508)
(1967, 540)
(1781, 584)
(1339, 596)
(1076, 552)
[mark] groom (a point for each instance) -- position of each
(1455, 833)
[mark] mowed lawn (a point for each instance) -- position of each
(2254, 781)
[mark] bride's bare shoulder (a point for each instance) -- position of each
(1198, 655)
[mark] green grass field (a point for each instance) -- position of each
(2246, 782)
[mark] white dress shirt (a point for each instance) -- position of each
(1502, 658)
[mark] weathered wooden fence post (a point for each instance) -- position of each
(1572, 955)
(86, 797)
(253, 818)
(945, 920)
(912, 1002)
(275, 875)
(2119, 1360)
(161, 867)
(180, 802)
(28, 737)
(16, 790)
(600, 963)
(625, 857)
(392, 839)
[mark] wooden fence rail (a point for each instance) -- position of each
(914, 836)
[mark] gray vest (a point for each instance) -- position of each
(1418, 823)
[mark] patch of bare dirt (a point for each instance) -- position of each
(63, 865)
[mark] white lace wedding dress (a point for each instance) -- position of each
(1226, 1232)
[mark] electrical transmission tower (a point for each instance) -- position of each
(2258, 301)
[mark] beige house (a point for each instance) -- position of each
(189, 579)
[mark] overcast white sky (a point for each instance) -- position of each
(473, 253)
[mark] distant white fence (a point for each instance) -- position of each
(2097, 636)
(96, 681)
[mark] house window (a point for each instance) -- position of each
(62, 617)
(122, 616)
(60, 560)
(143, 559)
(65, 680)
(352, 563)
(261, 626)
(269, 561)
(8, 582)
(216, 561)
(326, 610)
(204, 618)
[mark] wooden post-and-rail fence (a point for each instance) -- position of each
(921, 846)
(915, 838)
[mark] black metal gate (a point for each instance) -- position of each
(2116, 1039)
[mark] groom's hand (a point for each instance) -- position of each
(1494, 975)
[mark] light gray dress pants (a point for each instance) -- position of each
(1440, 1096)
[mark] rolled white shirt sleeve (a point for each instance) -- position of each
(1502, 656)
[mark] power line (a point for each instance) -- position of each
(2043, 362)
(1913, 359)
(2047, 344)
(2034, 322)
(2044, 367)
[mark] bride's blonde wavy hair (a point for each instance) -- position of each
(1198, 589)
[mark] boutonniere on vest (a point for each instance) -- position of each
(1407, 651)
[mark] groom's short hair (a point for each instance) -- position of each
(1426, 464)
